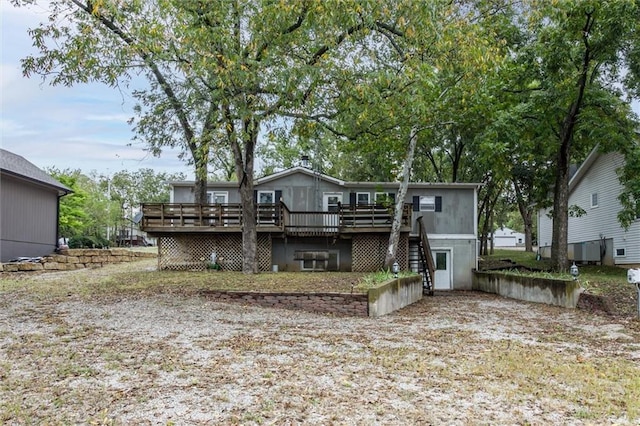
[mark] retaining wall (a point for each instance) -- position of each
(381, 300)
(539, 290)
(351, 304)
(394, 295)
(68, 260)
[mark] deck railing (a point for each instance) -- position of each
(157, 216)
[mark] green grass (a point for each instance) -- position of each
(607, 281)
(375, 278)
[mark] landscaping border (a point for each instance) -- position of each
(72, 259)
(380, 300)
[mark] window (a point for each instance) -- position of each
(594, 200)
(266, 197)
(427, 203)
(362, 198)
(325, 260)
(385, 198)
(217, 197)
(620, 252)
(441, 261)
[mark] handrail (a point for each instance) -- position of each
(424, 239)
(346, 217)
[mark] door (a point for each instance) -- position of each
(331, 203)
(442, 261)
(217, 212)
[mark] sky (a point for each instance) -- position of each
(82, 127)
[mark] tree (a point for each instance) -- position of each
(386, 114)
(217, 72)
(261, 60)
(130, 45)
(573, 60)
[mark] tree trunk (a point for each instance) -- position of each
(525, 213)
(559, 246)
(394, 237)
(249, 219)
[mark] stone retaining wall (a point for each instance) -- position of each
(351, 304)
(68, 260)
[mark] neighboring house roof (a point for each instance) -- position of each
(584, 168)
(506, 232)
(17, 165)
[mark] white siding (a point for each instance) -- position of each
(601, 221)
(545, 228)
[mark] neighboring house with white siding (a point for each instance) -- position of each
(507, 237)
(596, 236)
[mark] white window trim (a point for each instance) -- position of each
(358, 194)
(624, 252)
(593, 206)
(212, 195)
(430, 207)
(273, 195)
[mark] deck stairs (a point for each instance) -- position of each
(425, 266)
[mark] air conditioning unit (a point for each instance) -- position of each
(633, 276)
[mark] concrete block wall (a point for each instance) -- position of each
(395, 294)
(531, 289)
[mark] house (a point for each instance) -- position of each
(309, 221)
(597, 236)
(507, 237)
(29, 207)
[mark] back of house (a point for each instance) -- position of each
(308, 221)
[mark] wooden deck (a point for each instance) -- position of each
(165, 218)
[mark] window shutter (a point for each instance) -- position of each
(438, 203)
(416, 203)
(278, 196)
(255, 196)
(352, 199)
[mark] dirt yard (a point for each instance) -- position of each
(457, 358)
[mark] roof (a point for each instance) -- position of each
(339, 182)
(17, 165)
(584, 168)
(299, 169)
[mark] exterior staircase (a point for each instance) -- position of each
(426, 266)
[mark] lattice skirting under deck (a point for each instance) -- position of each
(368, 252)
(187, 252)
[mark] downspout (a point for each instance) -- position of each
(58, 222)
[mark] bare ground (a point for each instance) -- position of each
(456, 358)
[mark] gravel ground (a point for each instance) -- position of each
(457, 358)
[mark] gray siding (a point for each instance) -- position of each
(457, 216)
(463, 259)
(302, 192)
(28, 219)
